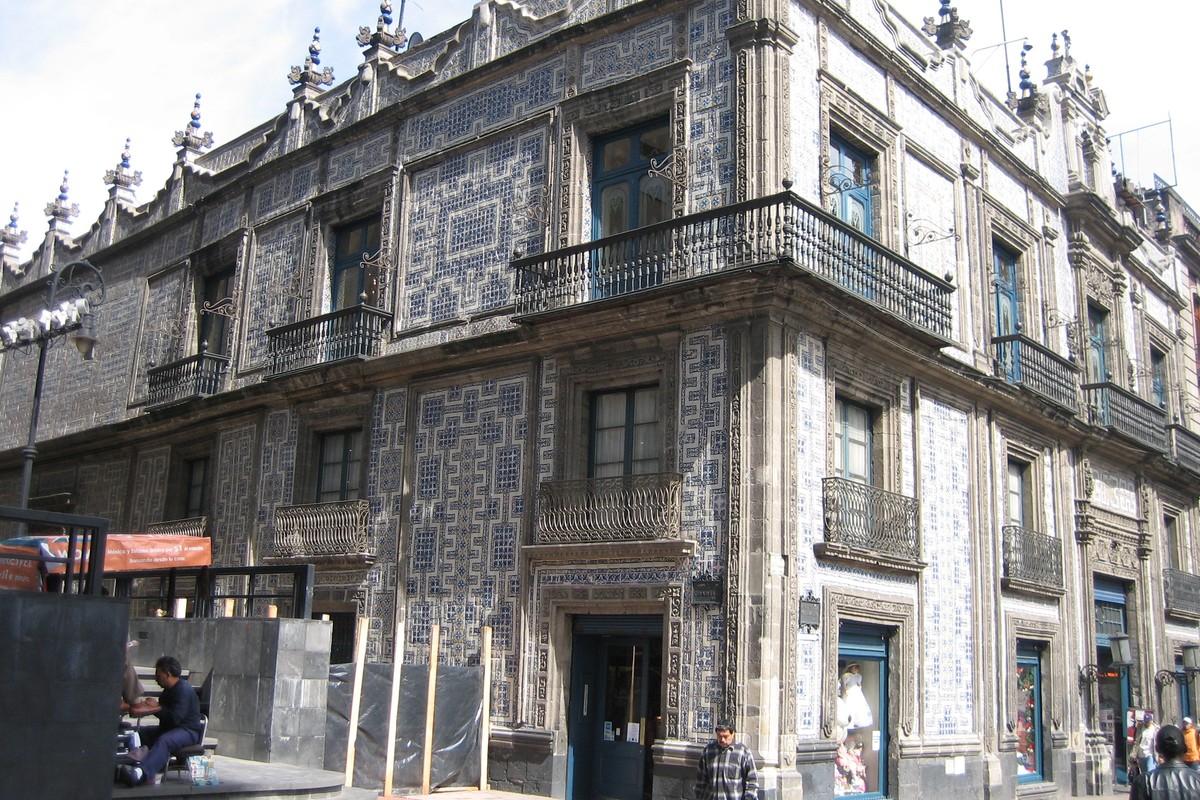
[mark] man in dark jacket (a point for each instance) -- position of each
(178, 712)
(726, 770)
(1172, 780)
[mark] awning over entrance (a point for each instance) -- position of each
(124, 552)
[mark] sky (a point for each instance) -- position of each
(81, 76)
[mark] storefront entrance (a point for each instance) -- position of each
(616, 690)
(861, 765)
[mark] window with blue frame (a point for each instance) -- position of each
(1112, 685)
(1158, 367)
(850, 178)
(861, 762)
(1030, 725)
(626, 196)
(853, 448)
(355, 272)
(1097, 344)
(339, 466)
(1008, 319)
(624, 432)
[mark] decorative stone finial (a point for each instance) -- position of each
(10, 240)
(308, 75)
(58, 211)
(950, 31)
(121, 178)
(383, 37)
(189, 138)
(9, 233)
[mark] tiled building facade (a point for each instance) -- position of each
(872, 437)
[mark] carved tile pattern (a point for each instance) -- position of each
(231, 522)
(712, 97)
(222, 220)
(809, 460)
(285, 189)
(358, 159)
(160, 343)
(462, 229)
(385, 488)
(150, 476)
(627, 53)
(275, 266)
(703, 451)
(549, 398)
(101, 488)
(467, 518)
(946, 547)
(496, 104)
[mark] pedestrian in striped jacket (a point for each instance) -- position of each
(726, 770)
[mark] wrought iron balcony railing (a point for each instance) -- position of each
(1185, 447)
(191, 526)
(323, 533)
(781, 229)
(1181, 592)
(1032, 561)
(1123, 412)
(355, 332)
(1023, 362)
(200, 375)
(623, 509)
(863, 523)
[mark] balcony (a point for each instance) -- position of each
(642, 513)
(192, 526)
(355, 332)
(1185, 447)
(200, 375)
(1023, 362)
(779, 230)
(331, 535)
(1181, 593)
(1124, 413)
(1032, 562)
(866, 526)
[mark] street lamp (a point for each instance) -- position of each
(1122, 660)
(74, 292)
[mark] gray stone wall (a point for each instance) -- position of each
(265, 680)
(60, 687)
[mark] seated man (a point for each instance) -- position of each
(178, 712)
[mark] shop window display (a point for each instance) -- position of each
(1028, 719)
(861, 755)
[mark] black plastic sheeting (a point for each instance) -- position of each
(458, 714)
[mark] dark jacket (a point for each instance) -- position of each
(180, 708)
(1173, 780)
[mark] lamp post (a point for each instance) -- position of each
(74, 292)
(1167, 677)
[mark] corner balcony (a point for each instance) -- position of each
(1185, 448)
(1032, 562)
(870, 527)
(1126, 414)
(782, 230)
(330, 535)
(191, 526)
(1023, 362)
(200, 375)
(1181, 593)
(638, 514)
(355, 332)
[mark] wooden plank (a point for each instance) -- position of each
(393, 708)
(360, 655)
(435, 637)
(485, 728)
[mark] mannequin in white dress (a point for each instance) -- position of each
(856, 702)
